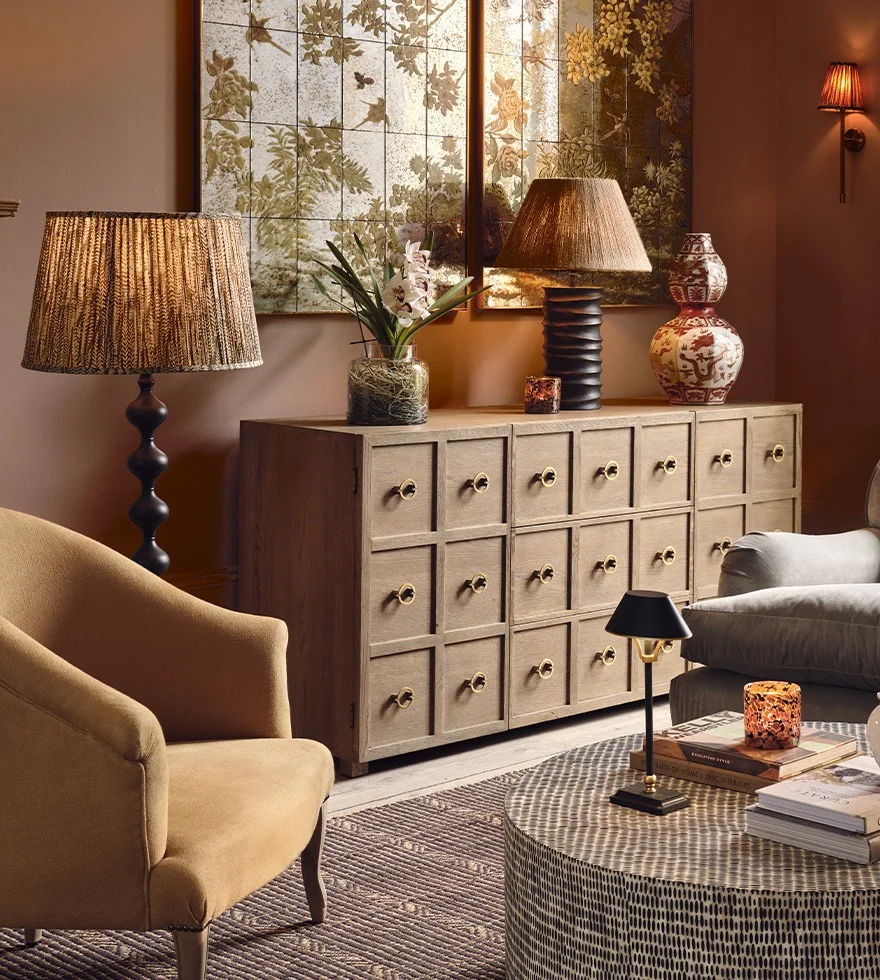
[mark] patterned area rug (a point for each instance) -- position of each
(415, 889)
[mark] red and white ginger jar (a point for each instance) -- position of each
(697, 355)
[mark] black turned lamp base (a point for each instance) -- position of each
(660, 802)
(573, 344)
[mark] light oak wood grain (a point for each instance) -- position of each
(326, 540)
(717, 530)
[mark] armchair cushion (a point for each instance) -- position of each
(872, 504)
(239, 813)
(763, 560)
(821, 634)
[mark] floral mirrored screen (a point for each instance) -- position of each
(329, 118)
(588, 88)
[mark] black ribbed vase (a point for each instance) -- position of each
(573, 343)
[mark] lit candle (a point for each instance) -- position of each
(772, 712)
(543, 395)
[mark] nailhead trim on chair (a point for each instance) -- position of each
(189, 928)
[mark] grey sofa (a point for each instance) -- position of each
(793, 607)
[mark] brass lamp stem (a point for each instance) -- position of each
(842, 156)
(648, 652)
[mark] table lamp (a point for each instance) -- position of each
(650, 619)
(574, 224)
(143, 294)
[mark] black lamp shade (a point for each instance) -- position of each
(651, 615)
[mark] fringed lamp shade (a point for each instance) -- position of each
(842, 91)
(574, 224)
(142, 294)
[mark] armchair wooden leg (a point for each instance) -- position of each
(32, 936)
(310, 860)
(192, 953)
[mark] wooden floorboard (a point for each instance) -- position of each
(454, 765)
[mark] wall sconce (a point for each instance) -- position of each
(8, 208)
(842, 93)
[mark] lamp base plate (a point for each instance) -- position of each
(659, 803)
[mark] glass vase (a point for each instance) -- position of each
(387, 387)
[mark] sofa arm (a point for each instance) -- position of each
(85, 794)
(763, 560)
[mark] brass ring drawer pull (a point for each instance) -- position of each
(547, 476)
(406, 594)
(667, 646)
(611, 470)
(724, 545)
(478, 682)
(404, 697)
(407, 490)
(544, 669)
(725, 458)
(668, 465)
(777, 453)
(545, 574)
(480, 483)
(607, 656)
(608, 564)
(479, 583)
(667, 555)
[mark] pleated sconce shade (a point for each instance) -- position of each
(574, 224)
(842, 91)
(142, 293)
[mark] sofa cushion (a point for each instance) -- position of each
(765, 560)
(822, 634)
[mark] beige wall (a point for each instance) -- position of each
(828, 333)
(95, 115)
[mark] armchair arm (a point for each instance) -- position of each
(85, 794)
(765, 561)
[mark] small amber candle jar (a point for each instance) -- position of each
(542, 395)
(772, 712)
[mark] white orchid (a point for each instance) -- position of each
(403, 298)
(395, 305)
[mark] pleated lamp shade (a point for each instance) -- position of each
(842, 91)
(574, 224)
(142, 294)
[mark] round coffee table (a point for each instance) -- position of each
(601, 892)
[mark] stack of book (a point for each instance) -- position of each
(713, 750)
(834, 811)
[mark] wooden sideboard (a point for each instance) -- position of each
(453, 579)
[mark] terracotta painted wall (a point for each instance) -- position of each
(828, 334)
(95, 115)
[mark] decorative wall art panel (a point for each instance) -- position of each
(328, 118)
(587, 88)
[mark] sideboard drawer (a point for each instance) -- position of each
(475, 583)
(402, 489)
(401, 594)
(606, 470)
(666, 465)
(774, 447)
(542, 477)
(604, 570)
(401, 698)
(665, 553)
(603, 661)
(539, 666)
(473, 684)
(540, 573)
(476, 482)
(716, 530)
(721, 458)
(774, 515)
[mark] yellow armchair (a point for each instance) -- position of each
(149, 777)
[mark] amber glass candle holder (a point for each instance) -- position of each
(543, 395)
(772, 712)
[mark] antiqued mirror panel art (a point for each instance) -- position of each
(328, 118)
(588, 88)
